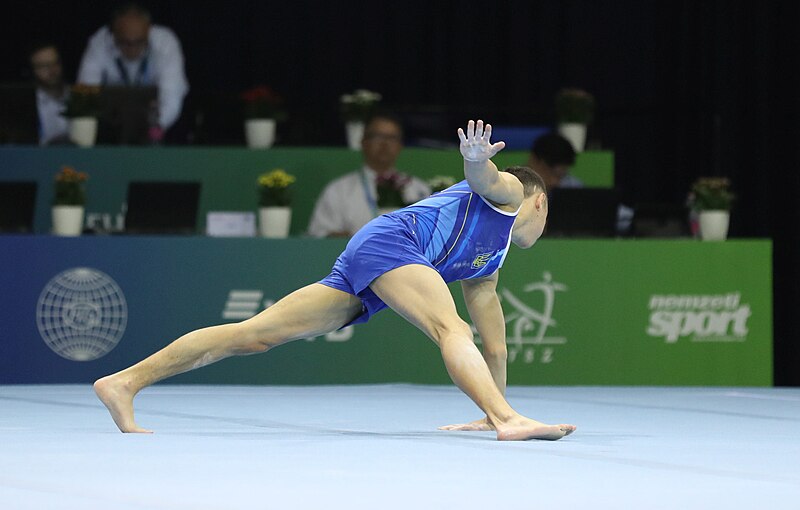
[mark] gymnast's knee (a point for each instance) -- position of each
(253, 340)
(455, 329)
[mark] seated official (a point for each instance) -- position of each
(134, 52)
(51, 93)
(351, 201)
(551, 157)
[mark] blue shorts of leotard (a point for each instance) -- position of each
(385, 243)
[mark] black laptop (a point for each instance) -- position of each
(660, 220)
(162, 208)
(17, 205)
(582, 212)
(124, 114)
(19, 115)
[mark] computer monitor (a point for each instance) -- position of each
(582, 212)
(124, 114)
(662, 220)
(19, 115)
(162, 208)
(17, 205)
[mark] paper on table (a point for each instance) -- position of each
(231, 224)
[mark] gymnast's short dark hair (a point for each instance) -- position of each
(531, 181)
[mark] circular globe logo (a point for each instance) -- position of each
(81, 314)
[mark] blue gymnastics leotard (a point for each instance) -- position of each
(456, 232)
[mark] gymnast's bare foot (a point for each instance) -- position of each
(118, 398)
(521, 429)
(477, 425)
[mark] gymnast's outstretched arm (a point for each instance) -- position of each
(498, 187)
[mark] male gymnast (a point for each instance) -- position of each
(402, 260)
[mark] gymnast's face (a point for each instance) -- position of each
(530, 221)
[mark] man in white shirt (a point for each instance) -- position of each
(51, 93)
(134, 52)
(351, 201)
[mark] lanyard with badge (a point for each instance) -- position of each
(141, 73)
(373, 206)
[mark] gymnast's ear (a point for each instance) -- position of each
(540, 200)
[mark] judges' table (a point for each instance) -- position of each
(586, 312)
(228, 175)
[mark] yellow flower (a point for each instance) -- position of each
(277, 178)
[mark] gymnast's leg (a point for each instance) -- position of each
(310, 311)
(419, 294)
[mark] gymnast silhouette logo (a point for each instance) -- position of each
(81, 314)
(527, 327)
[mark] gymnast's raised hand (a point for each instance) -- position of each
(475, 143)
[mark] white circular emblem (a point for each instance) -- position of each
(81, 314)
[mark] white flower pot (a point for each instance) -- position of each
(575, 133)
(83, 131)
(714, 225)
(274, 222)
(260, 133)
(355, 133)
(67, 220)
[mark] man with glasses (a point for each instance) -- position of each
(351, 201)
(51, 93)
(133, 52)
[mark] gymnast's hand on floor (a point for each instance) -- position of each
(477, 425)
(476, 145)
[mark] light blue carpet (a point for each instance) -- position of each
(374, 447)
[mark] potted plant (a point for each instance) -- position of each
(356, 107)
(69, 202)
(262, 109)
(274, 201)
(83, 108)
(441, 182)
(711, 199)
(574, 111)
(390, 192)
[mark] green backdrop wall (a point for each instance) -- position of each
(228, 175)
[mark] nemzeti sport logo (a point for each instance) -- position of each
(714, 318)
(81, 314)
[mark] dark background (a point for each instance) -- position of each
(684, 88)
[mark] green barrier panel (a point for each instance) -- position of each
(583, 313)
(228, 175)
(632, 312)
(593, 312)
